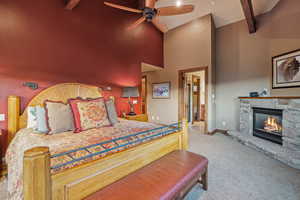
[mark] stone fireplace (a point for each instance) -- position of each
(272, 125)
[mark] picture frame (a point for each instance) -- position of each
(161, 90)
(286, 70)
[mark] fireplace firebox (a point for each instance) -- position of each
(267, 124)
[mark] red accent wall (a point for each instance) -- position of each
(42, 42)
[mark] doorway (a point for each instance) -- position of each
(193, 97)
(143, 92)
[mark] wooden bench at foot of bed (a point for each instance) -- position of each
(168, 178)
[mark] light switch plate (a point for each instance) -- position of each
(2, 117)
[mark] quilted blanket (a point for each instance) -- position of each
(66, 148)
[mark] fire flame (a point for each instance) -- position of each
(271, 124)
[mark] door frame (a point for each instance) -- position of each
(181, 73)
(146, 94)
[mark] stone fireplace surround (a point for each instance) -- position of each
(289, 151)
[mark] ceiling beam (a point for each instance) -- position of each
(72, 4)
(249, 14)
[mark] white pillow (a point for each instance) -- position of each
(32, 117)
(41, 120)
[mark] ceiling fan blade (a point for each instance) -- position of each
(160, 26)
(174, 10)
(122, 7)
(136, 23)
(150, 3)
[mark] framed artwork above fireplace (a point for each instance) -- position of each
(286, 70)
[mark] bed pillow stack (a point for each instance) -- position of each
(78, 115)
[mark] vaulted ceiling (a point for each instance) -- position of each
(224, 11)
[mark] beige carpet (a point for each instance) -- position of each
(237, 172)
(198, 127)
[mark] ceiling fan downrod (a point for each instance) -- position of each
(149, 13)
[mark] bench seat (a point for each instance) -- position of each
(169, 177)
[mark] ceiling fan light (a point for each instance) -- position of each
(178, 3)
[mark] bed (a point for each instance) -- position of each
(73, 166)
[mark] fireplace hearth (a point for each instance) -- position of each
(267, 124)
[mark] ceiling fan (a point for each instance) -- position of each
(150, 13)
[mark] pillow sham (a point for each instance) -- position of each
(111, 112)
(31, 117)
(59, 117)
(88, 114)
(41, 120)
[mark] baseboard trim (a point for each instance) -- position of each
(225, 132)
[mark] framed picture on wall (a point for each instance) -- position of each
(286, 70)
(161, 90)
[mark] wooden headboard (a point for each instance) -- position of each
(60, 92)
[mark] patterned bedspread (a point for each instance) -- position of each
(105, 140)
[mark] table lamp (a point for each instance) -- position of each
(129, 92)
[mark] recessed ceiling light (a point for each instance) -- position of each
(178, 3)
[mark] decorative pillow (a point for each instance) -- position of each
(41, 120)
(111, 112)
(59, 117)
(89, 114)
(31, 117)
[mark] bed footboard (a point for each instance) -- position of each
(36, 171)
(83, 180)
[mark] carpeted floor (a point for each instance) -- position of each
(237, 172)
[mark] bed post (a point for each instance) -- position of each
(13, 112)
(36, 174)
(184, 136)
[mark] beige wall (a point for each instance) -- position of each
(244, 60)
(185, 47)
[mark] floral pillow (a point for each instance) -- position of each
(89, 113)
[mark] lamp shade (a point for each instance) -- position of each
(130, 92)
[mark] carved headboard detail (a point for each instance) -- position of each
(60, 92)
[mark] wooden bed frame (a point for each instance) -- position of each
(83, 180)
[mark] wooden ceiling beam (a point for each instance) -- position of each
(249, 14)
(72, 4)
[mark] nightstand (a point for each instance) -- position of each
(3, 170)
(141, 117)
